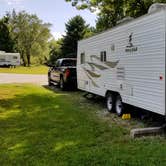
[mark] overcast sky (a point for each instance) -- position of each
(56, 12)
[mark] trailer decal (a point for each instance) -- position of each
(130, 47)
(111, 64)
(93, 74)
(97, 66)
(93, 82)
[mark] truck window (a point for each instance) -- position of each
(103, 56)
(82, 58)
(57, 63)
(68, 62)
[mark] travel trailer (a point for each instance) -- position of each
(127, 63)
(9, 59)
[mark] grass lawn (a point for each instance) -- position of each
(41, 127)
(26, 70)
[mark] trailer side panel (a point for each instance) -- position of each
(128, 59)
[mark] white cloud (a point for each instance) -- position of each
(13, 2)
(57, 35)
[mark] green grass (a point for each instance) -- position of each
(26, 70)
(41, 127)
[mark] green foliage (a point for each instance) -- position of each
(30, 33)
(6, 42)
(76, 29)
(41, 127)
(85, 4)
(55, 51)
(136, 8)
(89, 31)
(111, 11)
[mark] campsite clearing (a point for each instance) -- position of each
(40, 126)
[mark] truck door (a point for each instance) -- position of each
(55, 73)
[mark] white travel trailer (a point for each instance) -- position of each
(9, 59)
(127, 63)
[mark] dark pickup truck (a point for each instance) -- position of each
(63, 73)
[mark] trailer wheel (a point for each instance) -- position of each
(110, 102)
(119, 108)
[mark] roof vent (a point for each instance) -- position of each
(157, 7)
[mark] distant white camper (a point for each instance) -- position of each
(127, 64)
(9, 59)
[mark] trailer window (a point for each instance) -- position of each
(82, 58)
(14, 57)
(68, 62)
(2, 59)
(103, 56)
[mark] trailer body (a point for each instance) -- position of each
(128, 59)
(9, 59)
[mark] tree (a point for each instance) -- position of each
(76, 29)
(55, 51)
(136, 8)
(28, 31)
(6, 42)
(111, 11)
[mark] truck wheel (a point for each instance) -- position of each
(62, 84)
(49, 82)
(110, 102)
(119, 108)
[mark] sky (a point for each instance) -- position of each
(56, 12)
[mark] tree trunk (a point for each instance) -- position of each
(28, 60)
(28, 57)
(24, 63)
(23, 58)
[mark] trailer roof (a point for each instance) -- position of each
(123, 23)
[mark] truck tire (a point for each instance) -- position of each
(119, 108)
(110, 102)
(62, 84)
(49, 82)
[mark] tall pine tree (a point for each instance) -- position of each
(76, 28)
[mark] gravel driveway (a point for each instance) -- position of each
(23, 78)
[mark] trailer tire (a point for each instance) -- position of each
(110, 102)
(119, 107)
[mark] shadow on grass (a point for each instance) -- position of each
(33, 127)
(54, 129)
(144, 116)
(45, 129)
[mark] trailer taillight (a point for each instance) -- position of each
(161, 77)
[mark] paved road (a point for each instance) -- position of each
(23, 78)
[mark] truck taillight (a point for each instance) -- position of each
(67, 73)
